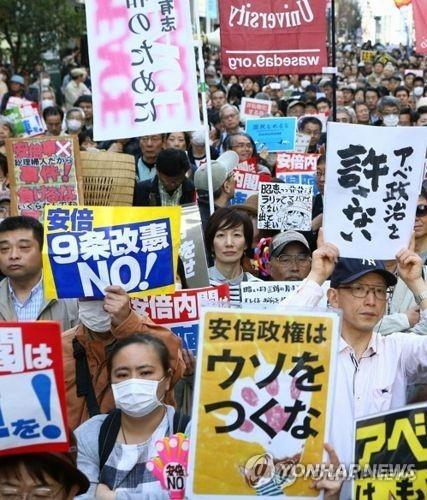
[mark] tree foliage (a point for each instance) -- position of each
(29, 28)
(349, 16)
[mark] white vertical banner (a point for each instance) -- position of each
(373, 179)
(142, 66)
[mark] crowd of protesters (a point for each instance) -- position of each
(120, 367)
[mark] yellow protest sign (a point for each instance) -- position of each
(89, 248)
(391, 455)
(263, 388)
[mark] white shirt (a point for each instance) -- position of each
(375, 384)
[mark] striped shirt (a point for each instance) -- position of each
(28, 310)
(216, 278)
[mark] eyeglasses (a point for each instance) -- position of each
(39, 492)
(361, 291)
(287, 260)
(421, 211)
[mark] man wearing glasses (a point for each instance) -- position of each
(372, 370)
(290, 257)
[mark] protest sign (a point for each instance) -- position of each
(248, 165)
(420, 21)
(273, 134)
(143, 68)
(170, 467)
(192, 249)
(250, 108)
(271, 37)
(367, 56)
(24, 117)
(390, 456)
(373, 180)
(297, 168)
(302, 142)
(263, 391)
(43, 170)
(246, 185)
(181, 311)
(89, 248)
(265, 293)
(32, 391)
(284, 206)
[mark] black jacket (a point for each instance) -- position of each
(147, 193)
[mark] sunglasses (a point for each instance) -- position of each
(421, 211)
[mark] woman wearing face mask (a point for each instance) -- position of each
(85, 348)
(74, 121)
(113, 449)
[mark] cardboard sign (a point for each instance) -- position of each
(372, 185)
(390, 454)
(181, 311)
(254, 107)
(32, 391)
(284, 206)
(273, 134)
(263, 391)
(42, 171)
(271, 37)
(143, 68)
(367, 56)
(192, 249)
(266, 293)
(89, 248)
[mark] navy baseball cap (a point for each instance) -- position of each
(349, 270)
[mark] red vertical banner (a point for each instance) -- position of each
(273, 37)
(420, 21)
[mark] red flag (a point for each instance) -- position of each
(420, 21)
(273, 37)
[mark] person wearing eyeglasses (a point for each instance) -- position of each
(373, 370)
(290, 257)
(420, 226)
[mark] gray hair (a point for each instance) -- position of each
(228, 106)
(349, 112)
(388, 100)
(77, 110)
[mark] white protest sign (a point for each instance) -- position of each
(373, 179)
(250, 108)
(266, 293)
(284, 206)
(143, 68)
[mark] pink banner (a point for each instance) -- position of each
(420, 21)
(142, 67)
(265, 37)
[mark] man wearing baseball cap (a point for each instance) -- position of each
(223, 183)
(290, 257)
(372, 370)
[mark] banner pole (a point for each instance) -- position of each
(334, 62)
(201, 64)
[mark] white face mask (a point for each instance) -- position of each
(45, 82)
(418, 91)
(305, 84)
(136, 397)
(47, 103)
(391, 120)
(93, 316)
(73, 125)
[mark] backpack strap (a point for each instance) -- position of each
(180, 422)
(84, 386)
(108, 433)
